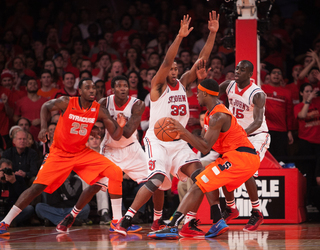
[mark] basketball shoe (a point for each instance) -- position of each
(191, 230)
(169, 233)
(123, 226)
(217, 229)
(65, 224)
(230, 213)
(4, 229)
(255, 220)
(158, 224)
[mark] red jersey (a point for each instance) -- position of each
(232, 139)
(309, 128)
(279, 108)
(74, 126)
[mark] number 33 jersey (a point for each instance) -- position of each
(241, 105)
(75, 125)
(172, 103)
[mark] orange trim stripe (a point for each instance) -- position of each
(210, 92)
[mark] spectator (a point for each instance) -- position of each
(46, 146)
(116, 70)
(23, 107)
(11, 187)
(104, 46)
(154, 60)
(185, 57)
(311, 60)
(103, 63)
(67, 66)
(53, 39)
(133, 60)
(46, 90)
(93, 30)
(85, 22)
(23, 73)
(136, 88)
(85, 66)
(150, 74)
(60, 203)
(217, 66)
(293, 87)
(108, 36)
(24, 123)
(24, 160)
(68, 87)
(56, 79)
(58, 62)
(100, 87)
(279, 114)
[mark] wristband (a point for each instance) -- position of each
(306, 102)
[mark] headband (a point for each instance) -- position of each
(210, 92)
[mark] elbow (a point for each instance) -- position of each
(205, 151)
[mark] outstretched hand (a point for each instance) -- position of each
(213, 22)
(201, 70)
(184, 26)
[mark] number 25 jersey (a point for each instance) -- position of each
(172, 103)
(75, 125)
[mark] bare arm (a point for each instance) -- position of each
(223, 87)
(160, 77)
(304, 111)
(115, 128)
(259, 101)
(216, 124)
(314, 62)
(134, 120)
(213, 26)
(60, 103)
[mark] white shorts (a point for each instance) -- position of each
(131, 159)
(167, 158)
(261, 143)
(209, 158)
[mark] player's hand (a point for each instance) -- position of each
(43, 135)
(184, 26)
(121, 120)
(213, 22)
(201, 70)
(95, 132)
(175, 126)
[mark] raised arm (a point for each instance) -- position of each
(134, 121)
(114, 128)
(160, 77)
(61, 104)
(259, 101)
(213, 26)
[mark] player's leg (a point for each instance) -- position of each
(23, 201)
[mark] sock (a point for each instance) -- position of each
(75, 211)
(255, 205)
(231, 204)
(116, 205)
(190, 215)
(13, 213)
(156, 214)
(104, 210)
(215, 213)
(177, 218)
(131, 212)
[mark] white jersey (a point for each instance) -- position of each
(241, 105)
(114, 110)
(172, 103)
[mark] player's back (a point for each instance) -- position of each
(172, 103)
(75, 125)
(241, 104)
(232, 139)
(114, 110)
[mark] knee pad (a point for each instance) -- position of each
(154, 182)
(195, 173)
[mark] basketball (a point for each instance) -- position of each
(162, 131)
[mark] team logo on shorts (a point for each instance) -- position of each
(225, 166)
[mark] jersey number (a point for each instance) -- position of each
(78, 128)
(238, 113)
(179, 110)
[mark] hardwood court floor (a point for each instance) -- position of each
(301, 236)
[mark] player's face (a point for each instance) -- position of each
(242, 73)
(121, 89)
(88, 90)
(173, 74)
(200, 97)
(201, 118)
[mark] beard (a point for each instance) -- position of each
(32, 91)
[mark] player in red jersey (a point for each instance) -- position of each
(68, 151)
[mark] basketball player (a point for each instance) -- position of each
(127, 152)
(168, 99)
(247, 104)
(68, 151)
(238, 162)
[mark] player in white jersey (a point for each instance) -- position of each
(168, 99)
(127, 152)
(247, 104)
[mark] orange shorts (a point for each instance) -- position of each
(231, 170)
(88, 164)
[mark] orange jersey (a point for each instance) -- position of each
(74, 126)
(232, 139)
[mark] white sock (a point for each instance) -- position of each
(116, 205)
(75, 211)
(104, 210)
(13, 213)
(131, 212)
(190, 215)
(156, 214)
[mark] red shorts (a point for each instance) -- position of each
(231, 170)
(88, 164)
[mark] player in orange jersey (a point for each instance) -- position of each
(68, 151)
(238, 162)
